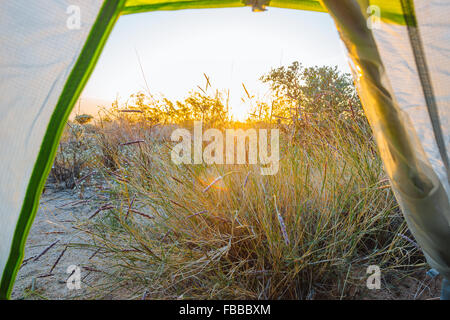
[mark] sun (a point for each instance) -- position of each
(239, 112)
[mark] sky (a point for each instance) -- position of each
(231, 46)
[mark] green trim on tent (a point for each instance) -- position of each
(390, 10)
(136, 6)
(83, 68)
(308, 5)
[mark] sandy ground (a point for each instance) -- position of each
(52, 233)
(51, 249)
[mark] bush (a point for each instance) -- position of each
(83, 118)
(313, 92)
(75, 152)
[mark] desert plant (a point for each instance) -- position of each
(225, 231)
(315, 92)
(83, 118)
(74, 154)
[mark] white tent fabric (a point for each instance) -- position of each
(397, 53)
(404, 107)
(40, 50)
(37, 53)
(398, 58)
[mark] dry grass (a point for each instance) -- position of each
(308, 232)
(225, 231)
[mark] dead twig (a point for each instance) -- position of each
(132, 142)
(57, 260)
(142, 214)
(196, 214)
(105, 207)
(130, 206)
(45, 251)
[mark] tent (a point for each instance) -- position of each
(399, 51)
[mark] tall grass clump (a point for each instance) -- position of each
(227, 232)
(223, 231)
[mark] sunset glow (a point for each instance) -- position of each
(231, 46)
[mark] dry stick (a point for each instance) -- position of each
(220, 218)
(24, 262)
(105, 207)
(82, 280)
(57, 260)
(246, 180)
(93, 255)
(70, 275)
(144, 296)
(201, 89)
(426, 285)
(165, 235)
(176, 203)
(91, 269)
(196, 214)
(217, 179)
(409, 240)
(150, 251)
(212, 183)
(137, 250)
(118, 177)
(131, 111)
(143, 75)
(142, 214)
(281, 222)
(132, 142)
(54, 232)
(73, 203)
(129, 207)
(177, 180)
(208, 83)
(83, 230)
(45, 251)
(45, 275)
(85, 177)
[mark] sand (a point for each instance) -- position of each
(53, 229)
